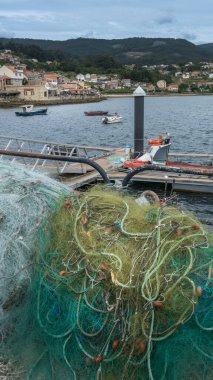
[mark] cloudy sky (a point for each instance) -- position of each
(64, 19)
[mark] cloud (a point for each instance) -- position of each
(110, 19)
(190, 36)
(90, 34)
(165, 19)
(5, 34)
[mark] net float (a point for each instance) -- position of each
(199, 291)
(141, 345)
(157, 304)
(67, 204)
(62, 273)
(195, 227)
(178, 233)
(98, 359)
(115, 344)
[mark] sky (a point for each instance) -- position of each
(108, 19)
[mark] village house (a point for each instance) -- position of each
(102, 78)
(93, 78)
(178, 74)
(150, 87)
(51, 79)
(185, 75)
(126, 83)
(28, 93)
(32, 75)
(74, 88)
(51, 83)
(67, 89)
(7, 55)
(161, 84)
(80, 77)
(15, 75)
(3, 82)
(87, 77)
(34, 89)
(172, 87)
(196, 74)
(113, 84)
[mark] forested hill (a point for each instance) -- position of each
(125, 51)
(207, 47)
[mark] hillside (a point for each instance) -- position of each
(125, 51)
(207, 47)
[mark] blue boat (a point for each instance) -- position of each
(27, 110)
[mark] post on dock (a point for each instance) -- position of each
(139, 95)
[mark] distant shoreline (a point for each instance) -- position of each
(153, 95)
(55, 102)
(51, 102)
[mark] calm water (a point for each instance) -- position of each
(189, 119)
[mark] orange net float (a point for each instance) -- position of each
(155, 142)
(62, 273)
(98, 359)
(67, 204)
(195, 227)
(115, 344)
(199, 291)
(157, 304)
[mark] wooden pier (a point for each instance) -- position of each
(60, 161)
(178, 182)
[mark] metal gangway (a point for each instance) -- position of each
(60, 150)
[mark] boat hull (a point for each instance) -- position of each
(96, 113)
(32, 113)
(112, 122)
(134, 164)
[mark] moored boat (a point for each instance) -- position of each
(28, 110)
(111, 119)
(95, 113)
(158, 154)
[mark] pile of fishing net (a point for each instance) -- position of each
(118, 291)
(26, 199)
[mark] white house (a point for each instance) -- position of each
(186, 75)
(80, 77)
(16, 75)
(161, 84)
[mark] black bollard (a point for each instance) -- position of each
(139, 94)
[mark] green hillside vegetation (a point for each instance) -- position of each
(142, 51)
(207, 47)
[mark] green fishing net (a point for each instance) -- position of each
(117, 291)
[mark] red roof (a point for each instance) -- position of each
(51, 76)
(4, 77)
(12, 68)
(27, 72)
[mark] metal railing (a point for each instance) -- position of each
(8, 143)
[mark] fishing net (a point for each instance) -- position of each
(26, 198)
(118, 290)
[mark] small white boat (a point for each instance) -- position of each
(110, 119)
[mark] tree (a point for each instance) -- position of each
(24, 82)
(183, 87)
